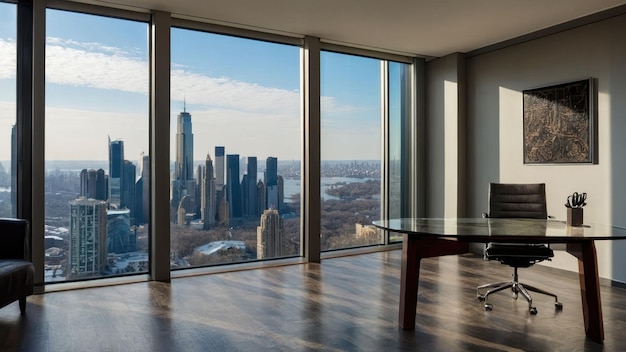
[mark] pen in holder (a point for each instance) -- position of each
(575, 204)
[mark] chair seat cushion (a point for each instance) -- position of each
(518, 255)
(16, 276)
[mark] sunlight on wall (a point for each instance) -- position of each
(451, 145)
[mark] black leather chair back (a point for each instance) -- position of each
(510, 200)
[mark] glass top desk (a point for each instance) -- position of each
(429, 237)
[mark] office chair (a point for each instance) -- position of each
(516, 201)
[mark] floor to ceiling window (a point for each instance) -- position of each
(96, 146)
(365, 103)
(235, 149)
(8, 132)
(351, 149)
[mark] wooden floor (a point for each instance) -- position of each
(344, 304)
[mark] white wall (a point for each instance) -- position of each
(445, 135)
(495, 82)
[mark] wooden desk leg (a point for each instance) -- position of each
(413, 250)
(589, 288)
(409, 279)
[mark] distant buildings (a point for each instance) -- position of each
(218, 192)
(221, 192)
(103, 218)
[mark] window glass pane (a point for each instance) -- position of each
(97, 121)
(399, 114)
(350, 150)
(8, 142)
(236, 148)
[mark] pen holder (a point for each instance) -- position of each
(574, 216)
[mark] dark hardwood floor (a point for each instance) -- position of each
(344, 304)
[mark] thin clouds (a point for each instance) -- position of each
(91, 64)
(221, 102)
(68, 62)
(231, 94)
(8, 58)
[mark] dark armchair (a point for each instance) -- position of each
(516, 201)
(16, 268)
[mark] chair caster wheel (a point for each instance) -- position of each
(489, 306)
(481, 298)
(533, 310)
(558, 305)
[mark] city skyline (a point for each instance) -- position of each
(217, 84)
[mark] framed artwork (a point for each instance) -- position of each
(559, 124)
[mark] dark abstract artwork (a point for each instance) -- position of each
(558, 124)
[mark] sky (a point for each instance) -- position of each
(242, 94)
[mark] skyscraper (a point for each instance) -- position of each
(271, 171)
(200, 171)
(120, 238)
(209, 210)
(142, 191)
(87, 250)
(128, 187)
(270, 235)
(184, 147)
(233, 187)
(93, 184)
(271, 183)
(183, 183)
(251, 188)
(219, 167)
(116, 170)
(260, 191)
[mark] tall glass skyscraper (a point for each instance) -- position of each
(116, 171)
(233, 187)
(250, 188)
(219, 167)
(184, 147)
(183, 183)
(271, 183)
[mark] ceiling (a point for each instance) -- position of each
(418, 27)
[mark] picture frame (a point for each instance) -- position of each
(560, 124)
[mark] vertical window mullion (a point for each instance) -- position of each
(311, 202)
(160, 35)
(384, 179)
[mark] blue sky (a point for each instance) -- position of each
(243, 94)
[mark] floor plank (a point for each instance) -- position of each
(344, 304)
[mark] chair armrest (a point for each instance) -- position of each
(14, 239)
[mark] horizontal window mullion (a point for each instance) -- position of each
(343, 49)
(138, 14)
(236, 31)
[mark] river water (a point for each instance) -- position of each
(293, 186)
